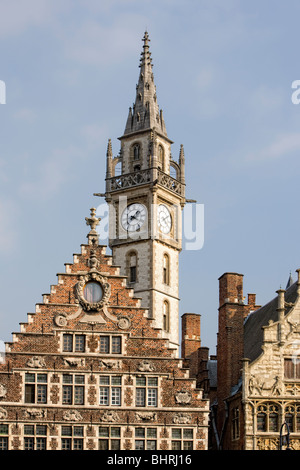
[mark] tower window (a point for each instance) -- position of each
(136, 152)
(132, 265)
(161, 158)
(166, 270)
(166, 316)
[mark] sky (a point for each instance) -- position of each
(224, 73)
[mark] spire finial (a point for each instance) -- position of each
(92, 221)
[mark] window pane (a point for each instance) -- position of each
(93, 292)
(151, 445)
(261, 422)
(140, 381)
(152, 432)
(41, 394)
(79, 379)
(103, 432)
(104, 395)
(66, 431)
(3, 443)
(288, 368)
(29, 378)
(42, 378)
(68, 343)
(41, 429)
(28, 443)
(116, 345)
(67, 394)
(116, 380)
(80, 343)
(139, 445)
(104, 380)
(176, 433)
(3, 428)
(103, 444)
(115, 444)
(152, 397)
(153, 381)
(67, 379)
(140, 397)
(40, 443)
(79, 396)
(78, 431)
(187, 434)
(104, 344)
(115, 432)
(139, 432)
(29, 429)
(29, 393)
(116, 396)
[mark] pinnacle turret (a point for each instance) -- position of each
(145, 113)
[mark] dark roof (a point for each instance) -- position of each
(254, 323)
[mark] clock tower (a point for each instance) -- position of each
(145, 191)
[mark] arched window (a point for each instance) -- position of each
(166, 316)
(166, 269)
(132, 267)
(268, 417)
(292, 417)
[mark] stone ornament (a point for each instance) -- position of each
(3, 413)
(145, 416)
(109, 417)
(36, 362)
(109, 364)
(72, 415)
(181, 418)
(183, 397)
(79, 290)
(3, 391)
(145, 366)
(60, 320)
(34, 413)
(124, 323)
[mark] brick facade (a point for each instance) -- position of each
(75, 377)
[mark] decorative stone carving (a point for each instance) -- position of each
(258, 386)
(72, 415)
(93, 263)
(36, 362)
(124, 323)
(60, 320)
(79, 290)
(109, 417)
(74, 361)
(109, 364)
(182, 418)
(146, 366)
(183, 397)
(33, 413)
(3, 391)
(3, 413)
(145, 416)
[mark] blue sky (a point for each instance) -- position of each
(223, 72)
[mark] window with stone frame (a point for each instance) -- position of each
(292, 417)
(166, 269)
(73, 389)
(166, 316)
(35, 387)
(35, 437)
(109, 438)
(110, 344)
(145, 438)
(4, 430)
(146, 391)
(267, 417)
(110, 391)
(72, 437)
(73, 343)
(291, 368)
(182, 439)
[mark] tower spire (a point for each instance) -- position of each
(145, 113)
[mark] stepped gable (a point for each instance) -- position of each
(39, 351)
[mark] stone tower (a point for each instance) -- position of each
(145, 190)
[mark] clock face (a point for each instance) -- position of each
(164, 218)
(133, 217)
